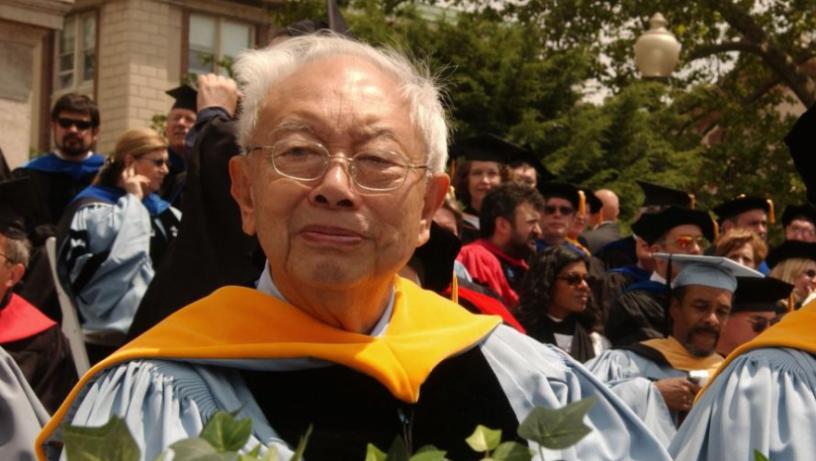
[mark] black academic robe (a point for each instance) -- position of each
(5, 171)
(544, 330)
(211, 250)
(618, 253)
(606, 233)
(356, 410)
(638, 314)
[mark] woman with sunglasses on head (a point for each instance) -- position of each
(113, 235)
(795, 262)
(553, 301)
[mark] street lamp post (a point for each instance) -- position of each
(657, 51)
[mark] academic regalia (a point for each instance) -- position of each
(570, 335)
(801, 144)
(22, 414)
(638, 314)
(40, 349)
(184, 97)
(58, 181)
(470, 371)
(5, 171)
(619, 253)
(107, 257)
(598, 238)
(658, 197)
(743, 203)
(762, 398)
(491, 267)
(609, 285)
(211, 250)
(480, 300)
(805, 211)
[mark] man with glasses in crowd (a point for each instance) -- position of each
(344, 169)
(659, 378)
(60, 175)
(639, 313)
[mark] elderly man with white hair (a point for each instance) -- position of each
(345, 150)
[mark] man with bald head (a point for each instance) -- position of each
(607, 231)
(345, 147)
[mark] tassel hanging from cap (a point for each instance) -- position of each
(791, 302)
(692, 201)
(455, 288)
(581, 202)
(716, 229)
(771, 212)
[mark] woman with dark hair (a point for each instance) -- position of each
(553, 299)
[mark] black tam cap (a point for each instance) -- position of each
(594, 204)
(525, 157)
(791, 249)
(806, 212)
(437, 257)
(802, 145)
(652, 226)
(488, 148)
(759, 294)
(19, 208)
(185, 97)
(742, 204)
(661, 196)
(567, 192)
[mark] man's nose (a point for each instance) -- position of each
(336, 187)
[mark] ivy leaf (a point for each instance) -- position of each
(271, 454)
(373, 453)
(397, 451)
(429, 453)
(194, 449)
(301, 447)
(557, 429)
(112, 442)
(225, 433)
(758, 456)
(484, 439)
(512, 451)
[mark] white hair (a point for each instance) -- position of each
(257, 70)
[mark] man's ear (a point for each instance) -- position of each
(17, 272)
(438, 185)
(502, 226)
(241, 191)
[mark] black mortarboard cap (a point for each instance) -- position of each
(565, 191)
(336, 21)
(487, 148)
(791, 249)
(662, 196)
(19, 208)
(801, 142)
(524, 156)
(651, 226)
(594, 204)
(759, 294)
(806, 211)
(185, 97)
(742, 204)
(437, 256)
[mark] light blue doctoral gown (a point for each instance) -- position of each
(764, 400)
(164, 401)
(631, 377)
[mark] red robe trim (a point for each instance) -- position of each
(20, 320)
(481, 259)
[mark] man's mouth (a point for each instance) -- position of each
(331, 235)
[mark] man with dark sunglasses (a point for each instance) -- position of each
(59, 175)
(757, 305)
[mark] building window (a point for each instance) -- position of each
(76, 52)
(215, 42)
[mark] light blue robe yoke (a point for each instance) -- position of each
(631, 377)
(164, 401)
(764, 400)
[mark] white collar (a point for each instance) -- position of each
(267, 286)
(72, 159)
(657, 278)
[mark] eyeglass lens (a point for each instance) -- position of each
(68, 122)
(563, 210)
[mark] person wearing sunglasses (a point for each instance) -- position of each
(758, 304)
(72, 165)
(639, 312)
(553, 301)
(795, 262)
(114, 235)
(660, 377)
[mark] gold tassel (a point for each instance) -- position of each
(716, 229)
(581, 202)
(771, 212)
(791, 302)
(692, 201)
(455, 288)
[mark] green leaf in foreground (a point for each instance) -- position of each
(301, 447)
(195, 449)
(512, 451)
(557, 429)
(484, 439)
(111, 442)
(429, 453)
(225, 433)
(758, 456)
(373, 453)
(398, 451)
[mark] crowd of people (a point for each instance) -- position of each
(315, 257)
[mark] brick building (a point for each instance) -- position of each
(123, 53)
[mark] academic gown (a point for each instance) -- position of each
(618, 253)
(491, 267)
(763, 398)
(638, 314)
(40, 349)
(211, 250)
(21, 413)
(631, 373)
(468, 371)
